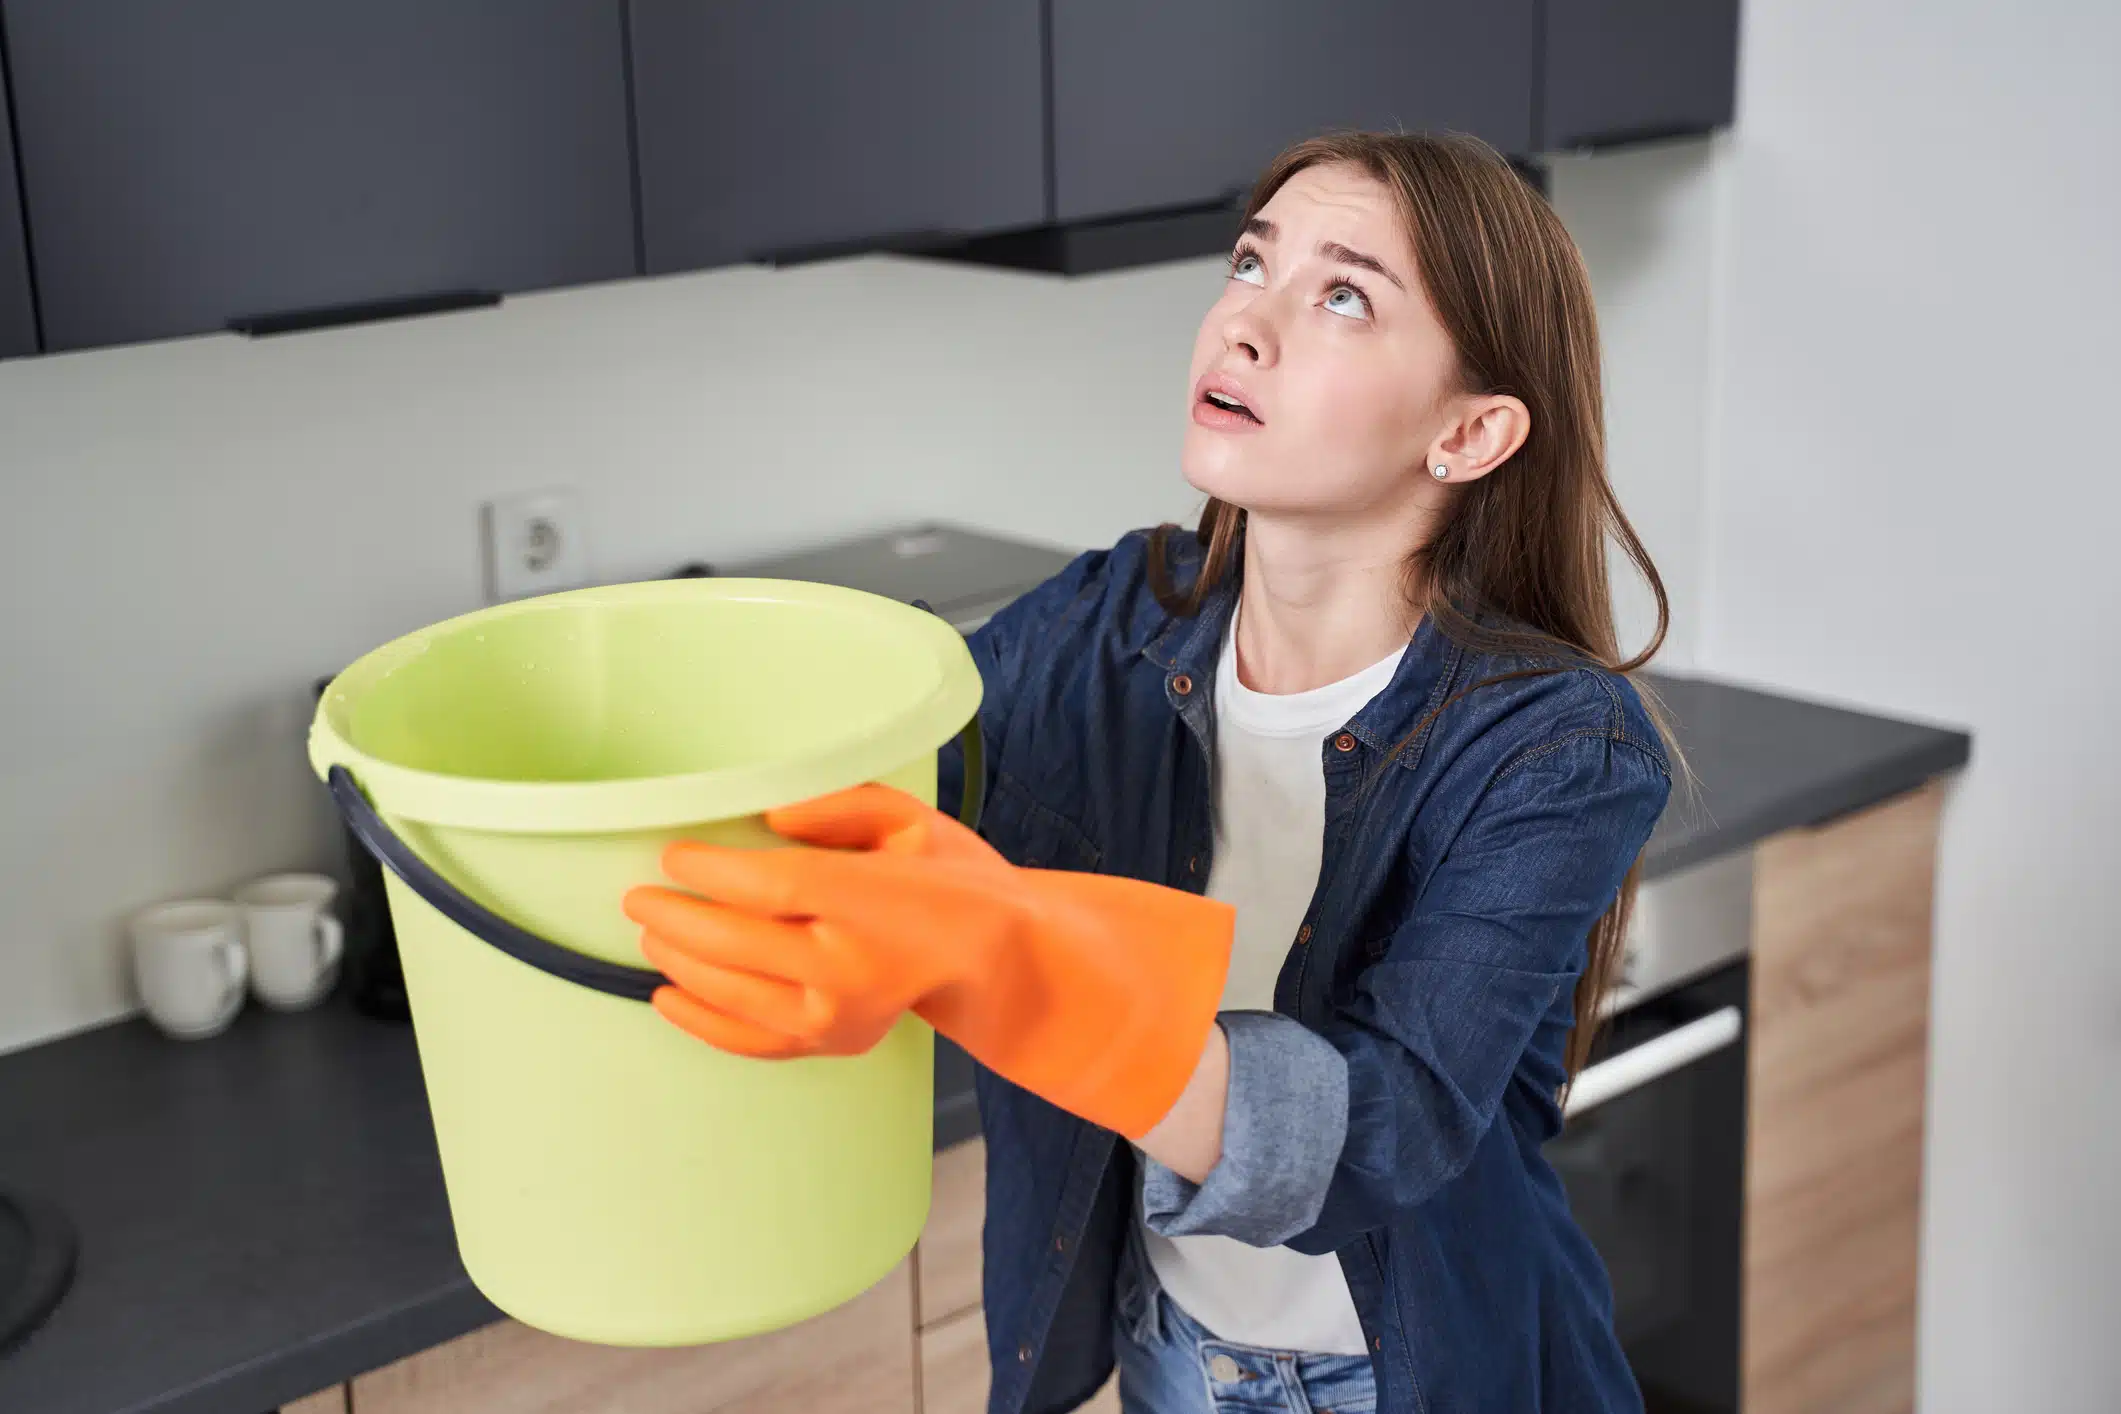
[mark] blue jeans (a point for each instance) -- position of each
(1169, 1364)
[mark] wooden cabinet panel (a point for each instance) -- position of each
(324, 1401)
(954, 1370)
(858, 1359)
(949, 1252)
(955, 1373)
(1841, 981)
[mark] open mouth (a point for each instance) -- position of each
(1228, 404)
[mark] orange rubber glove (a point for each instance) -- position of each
(1092, 991)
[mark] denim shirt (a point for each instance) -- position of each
(1391, 1108)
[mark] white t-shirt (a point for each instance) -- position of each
(1270, 825)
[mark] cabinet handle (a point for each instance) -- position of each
(1653, 1060)
(260, 326)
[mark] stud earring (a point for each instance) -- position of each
(1440, 472)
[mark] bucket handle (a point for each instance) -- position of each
(615, 979)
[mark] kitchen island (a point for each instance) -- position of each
(262, 1218)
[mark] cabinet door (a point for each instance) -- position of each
(855, 1359)
(810, 125)
(1182, 102)
(956, 1376)
(948, 1257)
(188, 165)
(18, 320)
(1630, 70)
(1839, 1081)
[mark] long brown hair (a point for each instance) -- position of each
(1517, 563)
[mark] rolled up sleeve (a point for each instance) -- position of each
(1329, 1133)
(1285, 1122)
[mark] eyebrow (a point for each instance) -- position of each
(1266, 230)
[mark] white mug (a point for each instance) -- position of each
(190, 967)
(295, 942)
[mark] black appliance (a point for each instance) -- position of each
(1653, 1152)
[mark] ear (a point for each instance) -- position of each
(1481, 434)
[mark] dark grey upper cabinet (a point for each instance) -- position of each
(190, 164)
(769, 129)
(1182, 102)
(18, 318)
(1630, 70)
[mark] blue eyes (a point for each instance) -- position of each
(1343, 299)
(1347, 300)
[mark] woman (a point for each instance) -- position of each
(1309, 845)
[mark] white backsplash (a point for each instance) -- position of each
(198, 529)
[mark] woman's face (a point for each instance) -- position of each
(1325, 337)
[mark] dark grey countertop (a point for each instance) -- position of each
(261, 1215)
(1764, 763)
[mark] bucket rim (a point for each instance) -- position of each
(654, 802)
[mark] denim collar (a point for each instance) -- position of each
(1191, 648)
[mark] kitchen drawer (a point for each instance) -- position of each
(857, 1359)
(955, 1372)
(1840, 1044)
(949, 1257)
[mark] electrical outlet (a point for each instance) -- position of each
(534, 544)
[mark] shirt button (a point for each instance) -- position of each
(1223, 1370)
(1060, 1244)
(1303, 935)
(1023, 1355)
(1193, 864)
(1182, 685)
(1344, 742)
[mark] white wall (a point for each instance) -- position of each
(196, 530)
(193, 531)
(1914, 507)
(1646, 221)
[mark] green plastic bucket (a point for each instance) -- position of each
(610, 1178)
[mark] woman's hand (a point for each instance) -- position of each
(1189, 1140)
(1097, 993)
